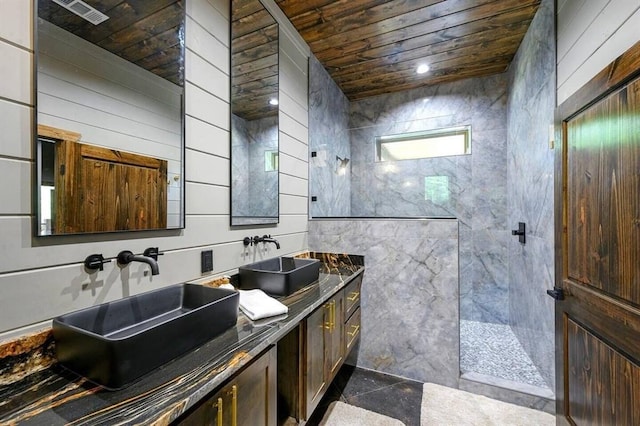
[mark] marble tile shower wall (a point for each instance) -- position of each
(410, 293)
(530, 168)
(477, 182)
(239, 165)
(328, 137)
(251, 140)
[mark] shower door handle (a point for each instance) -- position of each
(556, 293)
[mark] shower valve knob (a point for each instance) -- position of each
(520, 232)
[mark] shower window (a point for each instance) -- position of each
(428, 144)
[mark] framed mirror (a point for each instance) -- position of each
(254, 114)
(110, 101)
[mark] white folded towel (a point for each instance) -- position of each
(256, 304)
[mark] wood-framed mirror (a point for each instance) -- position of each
(110, 108)
(254, 114)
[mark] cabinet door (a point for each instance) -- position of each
(316, 356)
(335, 334)
(249, 399)
(253, 393)
(212, 412)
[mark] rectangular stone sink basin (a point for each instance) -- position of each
(280, 276)
(115, 343)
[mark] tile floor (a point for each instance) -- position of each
(389, 395)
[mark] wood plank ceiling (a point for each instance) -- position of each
(254, 60)
(147, 33)
(371, 47)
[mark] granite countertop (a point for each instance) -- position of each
(56, 396)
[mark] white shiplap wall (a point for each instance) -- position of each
(591, 34)
(42, 278)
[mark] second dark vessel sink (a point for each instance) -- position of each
(115, 343)
(280, 276)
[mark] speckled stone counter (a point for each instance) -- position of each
(55, 396)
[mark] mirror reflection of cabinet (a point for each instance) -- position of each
(254, 119)
(112, 73)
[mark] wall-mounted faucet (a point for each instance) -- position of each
(125, 257)
(258, 239)
(268, 239)
(95, 262)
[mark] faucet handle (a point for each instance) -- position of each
(95, 262)
(153, 253)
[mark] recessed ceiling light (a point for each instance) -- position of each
(422, 68)
(273, 101)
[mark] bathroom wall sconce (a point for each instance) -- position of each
(341, 165)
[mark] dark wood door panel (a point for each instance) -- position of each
(603, 207)
(597, 183)
(603, 385)
(105, 190)
(619, 321)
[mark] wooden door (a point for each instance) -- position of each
(104, 190)
(598, 250)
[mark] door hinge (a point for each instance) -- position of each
(556, 293)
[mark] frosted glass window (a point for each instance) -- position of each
(436, 189)
(271, 161)
(415, 145)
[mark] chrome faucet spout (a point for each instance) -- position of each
(125, 257)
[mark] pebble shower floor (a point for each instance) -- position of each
(494, 350)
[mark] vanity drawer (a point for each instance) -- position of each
(352, 296)
(351, 331)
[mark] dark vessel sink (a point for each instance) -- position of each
(280, 276)
(117, 342)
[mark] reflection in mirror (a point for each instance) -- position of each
(110, 80)
(254, 119)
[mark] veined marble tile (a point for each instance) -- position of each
(328, 138)
(410, 293)
(250, 141)
(530, 175)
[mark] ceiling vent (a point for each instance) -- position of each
(83, 10)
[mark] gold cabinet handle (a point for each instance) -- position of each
(353, 296)
(234, 405)
(219, 406)
(356, 328)
(333, 315)
(327, 324)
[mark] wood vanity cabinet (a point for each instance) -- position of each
(310, 356)
(323, 331)
(249, 398)
(351, 313)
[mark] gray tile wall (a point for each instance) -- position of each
(477, 182)
(328, 137)
(409, 293)
(530, 112)
(254, 188)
